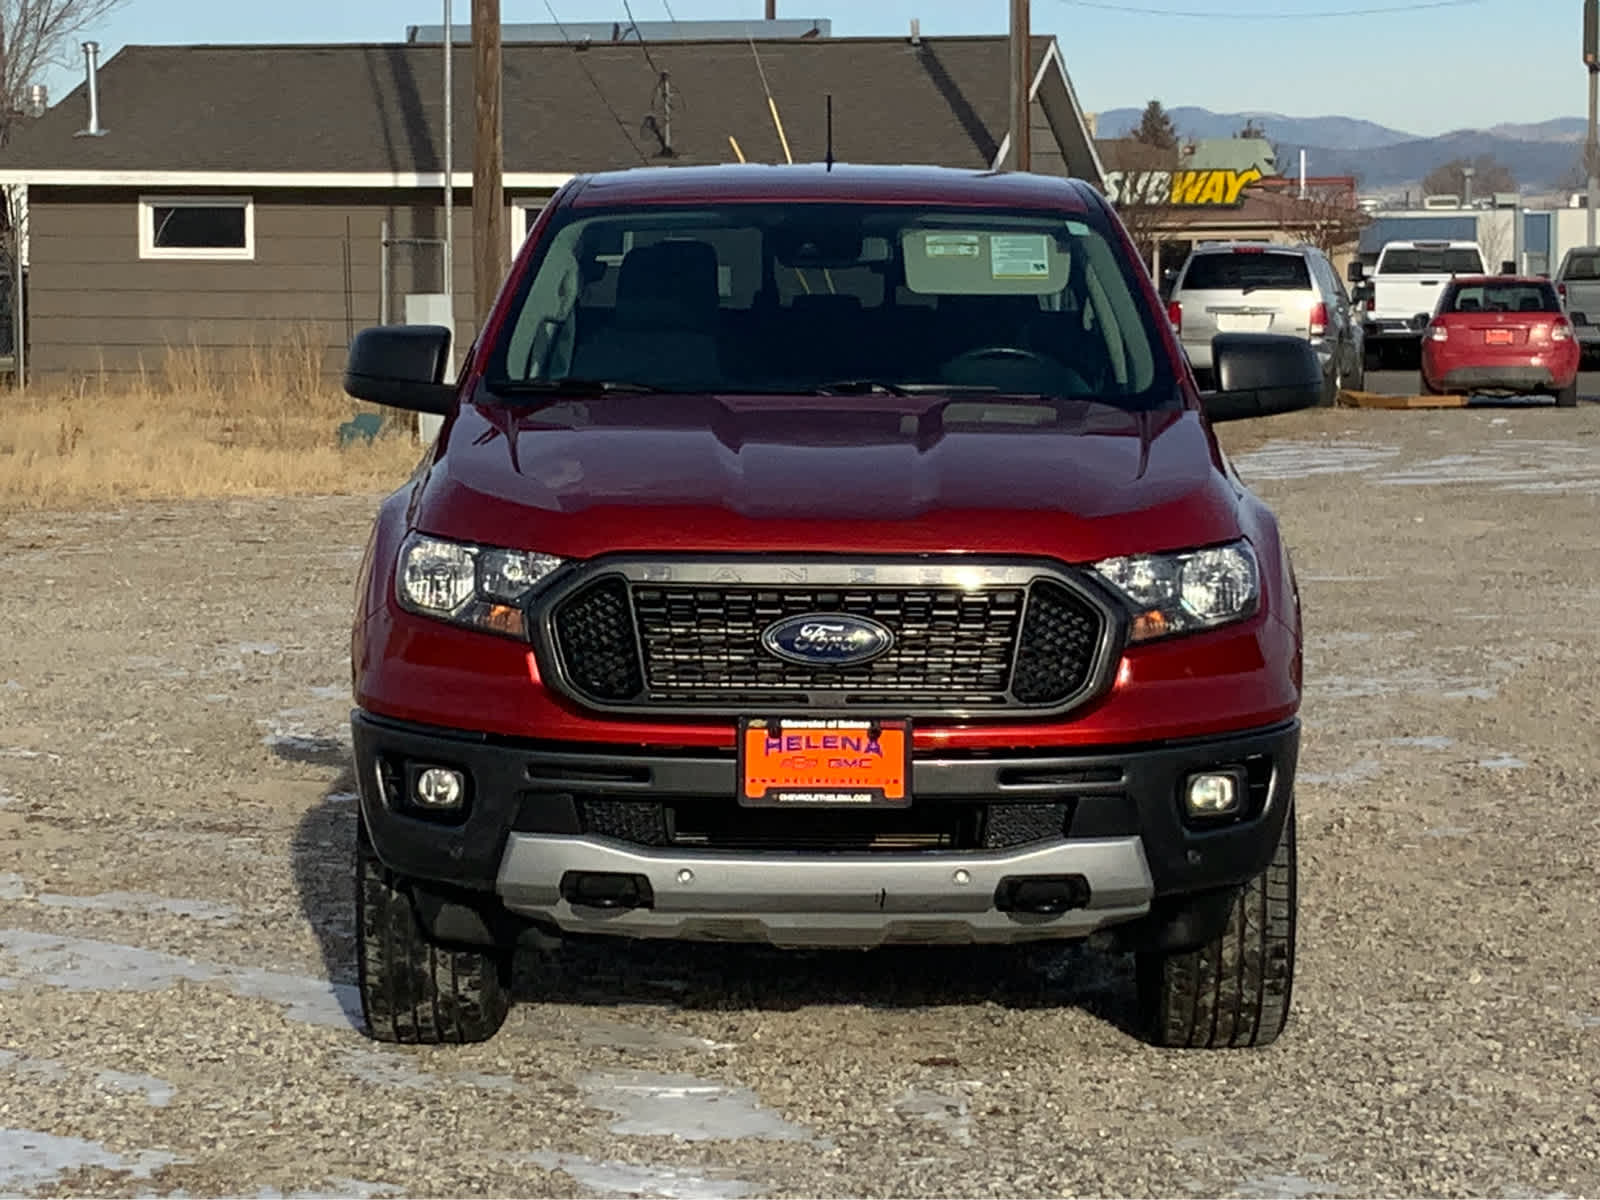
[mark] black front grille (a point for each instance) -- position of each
(594, 629)
(705, 642)
(725, 825)
(698, 646)
(1058, 645)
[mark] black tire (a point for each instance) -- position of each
(1567, 397)
(413, 989)
(1424, 388)
(1360, 382)
(1234, 991)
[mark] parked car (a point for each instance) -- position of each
(1254, 287)
(1577, 282)
(1501, 334)
(1404, 289)
(827, 558)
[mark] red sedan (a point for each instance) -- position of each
(1501, 334)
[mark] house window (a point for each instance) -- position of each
(197, 227)
(525, 213)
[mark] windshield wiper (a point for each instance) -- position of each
(867, 387)
(567, 386)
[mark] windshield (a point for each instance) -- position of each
(800, 298)
(1500, 297)
(1247, 270)
(1423, 262)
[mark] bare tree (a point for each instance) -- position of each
(1143, 201)
(1494, 239)
(1489, 175)
(34, 35)
(1328, 217)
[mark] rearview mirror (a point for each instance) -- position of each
(1261, 374)
(402, 366)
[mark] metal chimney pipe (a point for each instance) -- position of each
(91, 66)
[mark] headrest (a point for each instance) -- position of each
(669, 283)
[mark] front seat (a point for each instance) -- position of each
(663, 332)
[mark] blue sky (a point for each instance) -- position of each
(1443, 65)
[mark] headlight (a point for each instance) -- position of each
(1186, 591)
(476, 586)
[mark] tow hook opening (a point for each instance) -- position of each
(1041, 895)
(607, 889)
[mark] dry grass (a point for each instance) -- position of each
(261, 422)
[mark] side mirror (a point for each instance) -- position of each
(1356, 271)
(1508, 267)
(402, 366)
(1261, 374)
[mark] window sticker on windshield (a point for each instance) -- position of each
(1019, 256)
(959, 245)
(1077, 229)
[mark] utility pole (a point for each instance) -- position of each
(772, 10)
(488, 161)
(1591, 59)
(1021, 79)
(449, 161)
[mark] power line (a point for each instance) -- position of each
(628, 8)
(1379, 10)
(671, 16)
(598, 90)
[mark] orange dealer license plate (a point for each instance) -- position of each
(1497, 337)
(824, 763)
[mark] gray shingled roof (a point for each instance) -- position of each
(348, 108)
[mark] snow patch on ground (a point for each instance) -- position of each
(87, 965)
(31, 1159)
(683, 1107)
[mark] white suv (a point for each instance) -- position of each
(1255, 287)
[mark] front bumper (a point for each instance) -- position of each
(834, 900)
(539, 817)
(1396, 328)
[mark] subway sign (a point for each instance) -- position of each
(1181, 189)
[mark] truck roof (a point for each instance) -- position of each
(753, 182)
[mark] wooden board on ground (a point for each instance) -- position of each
(1351, 399)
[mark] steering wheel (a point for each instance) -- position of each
(1007, 353)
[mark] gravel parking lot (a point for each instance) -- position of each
(176, 1015)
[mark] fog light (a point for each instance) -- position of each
(439, 788)
(1214, 793)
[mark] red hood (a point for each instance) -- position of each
(829, 474)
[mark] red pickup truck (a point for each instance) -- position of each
(827, 557)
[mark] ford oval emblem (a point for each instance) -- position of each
(827, 639)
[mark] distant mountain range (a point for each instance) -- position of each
(1539, 156)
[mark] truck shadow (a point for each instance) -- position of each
(322, 857)
(692, 976)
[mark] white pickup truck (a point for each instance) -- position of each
(1405, 285)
